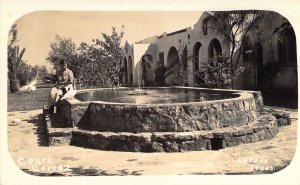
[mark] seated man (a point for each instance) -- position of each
(64, 88)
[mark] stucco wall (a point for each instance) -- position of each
(190, 36)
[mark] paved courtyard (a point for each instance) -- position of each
(27, 146)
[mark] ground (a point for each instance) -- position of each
(26, 144)
(29, 100)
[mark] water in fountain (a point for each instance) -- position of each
(153, 96)
(138, 77)
(138, 91)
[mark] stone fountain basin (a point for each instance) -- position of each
(166, 117)
(265, 127)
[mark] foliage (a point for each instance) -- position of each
(102, 60)
(160, 72)
(14, 59)
(246, 29)
(27, 73)
(236, 27)
(91, 71)
(42, 71)
(64, 48)
(24, 73)
(216, 72)
(19, 72)
(179, 68)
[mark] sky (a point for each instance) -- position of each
(38, 29)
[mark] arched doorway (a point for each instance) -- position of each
(287, 47)
(196, 66)
(147, 70)
(214, 48)
(125, 77)
(172, 64)
(252, 58)
(130, 75)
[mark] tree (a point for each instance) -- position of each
(112, 51)
(14, 59)
(64, 48)
(42, 71)
(182, 71)
(91, 73)
(102, 60)
(245, 29)
(24, 73)
(235, 27)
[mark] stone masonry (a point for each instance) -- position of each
(264, 128)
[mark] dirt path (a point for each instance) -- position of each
(27, 147)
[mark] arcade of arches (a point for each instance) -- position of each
(173, 61)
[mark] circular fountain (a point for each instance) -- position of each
(163, 110)
(167, 119)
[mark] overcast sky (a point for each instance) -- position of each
(38, 29)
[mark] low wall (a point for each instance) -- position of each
(180, 117)
(175, 118)
(264, 128)
(73, 112)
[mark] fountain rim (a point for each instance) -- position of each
(243, 95)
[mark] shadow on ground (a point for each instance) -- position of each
(99, 172)
(41, 173)
(40, 129)
(81, 171)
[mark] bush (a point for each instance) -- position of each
(24, 73)
(216, 73)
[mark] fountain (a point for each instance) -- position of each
(170, 119)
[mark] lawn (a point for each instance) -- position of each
(25, 101)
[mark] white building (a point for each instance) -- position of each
(202, 43)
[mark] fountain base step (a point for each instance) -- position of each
(265, 127)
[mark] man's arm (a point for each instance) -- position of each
(71, 77)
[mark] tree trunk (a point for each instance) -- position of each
(14, 84)
(231, 67)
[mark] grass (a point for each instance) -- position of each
(24, 101)
(29, 101)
